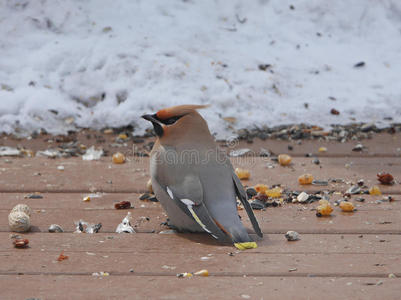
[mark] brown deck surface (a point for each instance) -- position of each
(345, 256)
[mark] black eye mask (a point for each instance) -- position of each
(170, 121)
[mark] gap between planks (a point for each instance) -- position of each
(222, 274)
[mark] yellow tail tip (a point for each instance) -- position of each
(247, 245)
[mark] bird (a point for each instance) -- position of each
(194, 180)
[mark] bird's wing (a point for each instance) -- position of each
(241, 194)
(188, 196)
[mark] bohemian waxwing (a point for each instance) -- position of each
(194, 180)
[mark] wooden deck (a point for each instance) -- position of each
(347, 256)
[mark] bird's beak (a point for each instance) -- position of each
(157, 125)
(151, 118)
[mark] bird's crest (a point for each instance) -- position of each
(179, 110)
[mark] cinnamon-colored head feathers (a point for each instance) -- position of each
(179, 110)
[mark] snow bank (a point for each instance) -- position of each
(67, 64)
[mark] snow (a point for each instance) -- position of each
(97, 63)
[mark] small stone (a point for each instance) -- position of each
(33, 196)
(358, 148)
(353, 190)
(86, 199)
(391, 275)
(169, 231)
(303, 197)
(316, 161)
(55, 228)
(145, 196)
(257, 204)
(292, 236)
(320, 182)
(240, 152)
(60, 168)
(251, 192)
(361, 182)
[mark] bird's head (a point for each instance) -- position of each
(178, 121)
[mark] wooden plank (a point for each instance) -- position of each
(107, 201)
(274, 220)
(201, 245)
(165, 287)
(244, 263)
(21, 175)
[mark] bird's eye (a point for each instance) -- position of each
(171, 120)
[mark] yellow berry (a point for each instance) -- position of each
(122, 136)
(322, 149)
(346, 206)
(324, 202)
(118, 158)
(242, 173)
(203, 273)
(284, 159)
(261, 188)
(305, 179)
(375, 191)
(324, 210)
(274, 192)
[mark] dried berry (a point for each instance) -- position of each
(261, 188)
(118, 158)
(284, 159)
(242, 173)
(375, 191)
(203, 273)
(21, 243)
(346, 206)
(122, 205)
(62, 257)
(324, 208)
(274, 192)
(305, 179)
(385, 178)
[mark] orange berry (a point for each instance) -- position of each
(346, 206)
(242, 173)
(305, 179)
(284, 159)
(118, 158)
